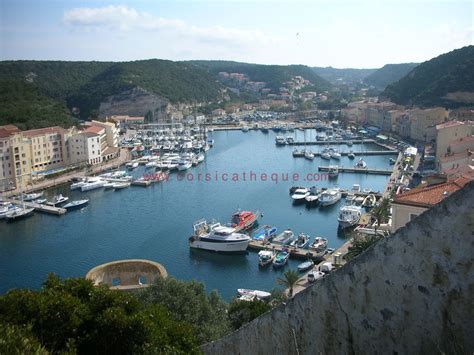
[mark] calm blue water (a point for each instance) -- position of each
(155, 223)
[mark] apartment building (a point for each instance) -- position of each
(15, 159)
(448, 132)
(47, 148)
(422, 119)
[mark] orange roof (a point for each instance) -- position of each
(41, 131)
(94, 129)
(427, 196)
(10, 128)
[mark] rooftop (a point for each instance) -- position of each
(449, 124)
(43, 131)
(427, 196)
(95, 129)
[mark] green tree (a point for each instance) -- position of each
(242, 312)
(381, 213)
(291, 279)
(19, 340)
(360, 244)
(188, 301)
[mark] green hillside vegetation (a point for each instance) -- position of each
(430, 82)
(273, 75)
(55, 86)
(348, 75)
(389, 74)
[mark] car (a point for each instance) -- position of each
(315, 275)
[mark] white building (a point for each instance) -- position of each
(84, 148)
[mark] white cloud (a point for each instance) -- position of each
(126, 19)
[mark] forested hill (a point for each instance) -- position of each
(389, 74)
(447, 80)
(273, 75)
(42, 93)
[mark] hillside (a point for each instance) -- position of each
(389, 74)
(52, 88)
(273, 75)
(348, 75)
(447, 80)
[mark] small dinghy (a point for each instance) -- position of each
(305, 266)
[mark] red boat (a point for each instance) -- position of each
(245, 220)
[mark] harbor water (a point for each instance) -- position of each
(155, 222)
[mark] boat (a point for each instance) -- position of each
(184, 164)
(201, 157)
(319, 244)
(302, 241)
(76, 204)
(109, 185)
(5, 208)
(349, 143)
(305, 265)
(355, 188)
(256, 293)
(121, 185)
(132, 165)
(280, 140)
(281, 259)
(334, 154)
(218, 238)
(41, 201)
(290, 140)
(330, 197)
(245, 129)
(19, 213)
(325, 155)
(361, 164)
(359, 200)
(308, 154)
(77, 185)
(350, 197)
(93, 184)
(33, 196)
(264, 129)
(349, 216)
(351, 155)
(284, 238)
(298, 153)
(264, 233)
(151, 164)
(266, 257)
(312, 198)
(300, 194)
(294, 188)
(333, 171)
(369, 201)
(392, 161)
(57, 200)
(244, 220)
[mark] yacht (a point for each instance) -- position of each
(325, 154)
(361, 164)
(201, 157)
(218, 238)
(58, 200)
(121, 185)
(305, 265)
(319, 245)
(77, 185)
(290, 139)
(93, 184)
(330, 197)
(5, 208)
(300, 194)
(349, 216)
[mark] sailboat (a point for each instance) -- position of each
(19, 212)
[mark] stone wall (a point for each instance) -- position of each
(411, 293)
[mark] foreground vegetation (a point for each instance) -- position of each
(73, 316)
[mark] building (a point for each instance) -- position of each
(125, 121)
(84, 147)
(409, 205)
(47, 148)
(15, 158)
(449, 132)
(109, 136)
(422, 119)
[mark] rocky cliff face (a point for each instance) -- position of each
(411, 293)
(134, 102)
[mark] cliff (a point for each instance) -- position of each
(410, 293)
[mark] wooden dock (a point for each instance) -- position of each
(358, 170)
(41, 207)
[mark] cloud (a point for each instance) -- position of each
(126, 19)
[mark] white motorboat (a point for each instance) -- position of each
(218, 238)
(355, 188)
(335, 155)
(300, 194)
(93, 184)
(302, 241)
(280, 140)
(57, 200)
(109, 185)
(76, 204)
(265, 257)
(361, 164)
(308, 155)
(325, 155)
(330, 197)
(284, 238)
(333, 171)
(255, 293)
(6, 208)
(349, 216)
(201, 157)
(305, 265)
(319, 244)
(312, 198)
(33, 196)
(184, 164)
(121, 185)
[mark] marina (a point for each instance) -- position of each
(155, 223)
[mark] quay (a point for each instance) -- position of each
(41, 208)
(358, 170)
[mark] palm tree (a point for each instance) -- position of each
(381, 213)
(292, 279)
(359, 245)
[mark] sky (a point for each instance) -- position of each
(337, 33)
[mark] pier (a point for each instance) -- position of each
(41, 207)
(358, 170)
(355, 141)
(369, 152)
(297, 253)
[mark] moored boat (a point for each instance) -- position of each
(330, 197)
(349, 216)
(284, 237)
(361, 164)
(264, 233)
(19, 213)
(333, 171)
(76, 204)
(244, 220)
(319, 244)
(58, 200)
(299, 195)
(256, 293)
(302, 241)
(305, 265)
(308, 155)
(121, 185)
(33, 196)
(281, 259)
(265, 257)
